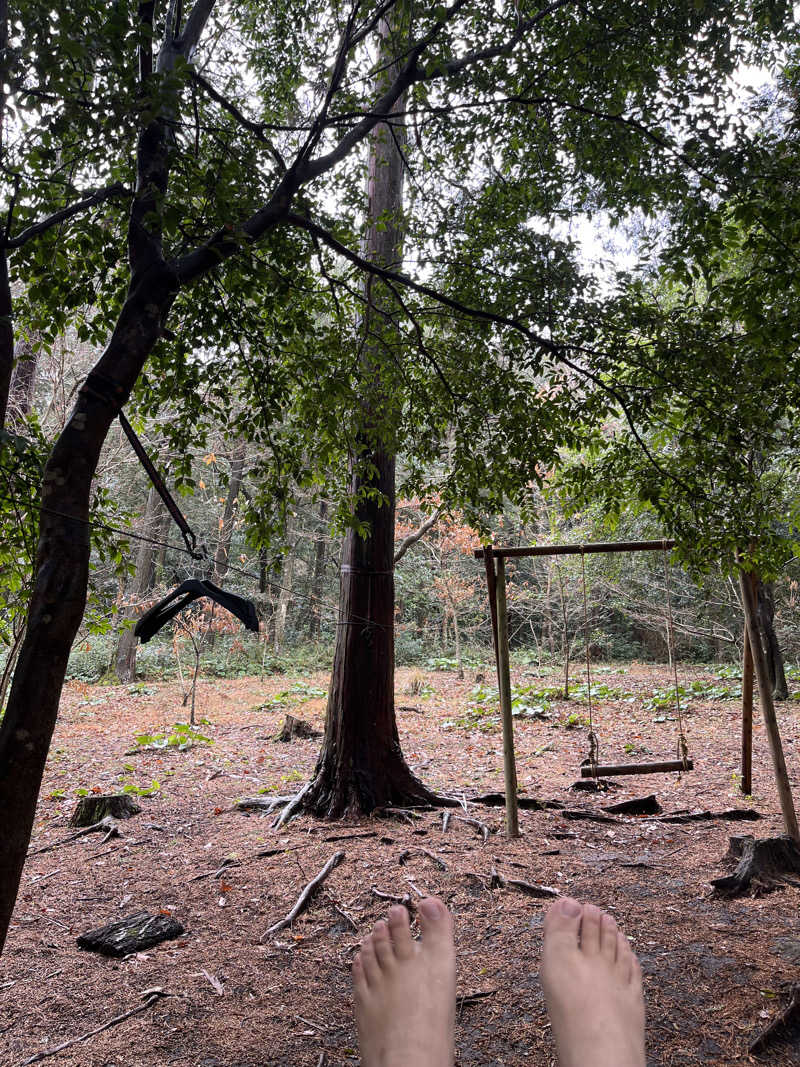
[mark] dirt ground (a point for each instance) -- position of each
(716, 971)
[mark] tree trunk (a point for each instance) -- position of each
(125, 660)
(6, 336)
(285, 593)
(62, 571)
(774, 656)
(315, 620)
(222, 554)
(361, 766)
(20, 401)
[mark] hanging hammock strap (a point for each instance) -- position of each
(683, 748)
(594, 747)
(158, 483)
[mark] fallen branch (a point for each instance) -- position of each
(152, 995)
(789, 1015)
(481, 827)
(405, 899)
(446, 817)
(499, 881)
(406, 854)
(306, 895)
(107, 824)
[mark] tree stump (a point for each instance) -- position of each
(92, 809)
(135, 933)
(764, 864)
(293, 727)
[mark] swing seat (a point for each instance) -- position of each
(611, 770)
(187, 592)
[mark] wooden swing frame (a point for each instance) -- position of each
(496, 585)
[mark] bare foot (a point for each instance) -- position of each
(405, 991)
(593, 987)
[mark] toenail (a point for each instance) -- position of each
(431, 908)
(570, 907)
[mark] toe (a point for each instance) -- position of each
(590, 930)
(624, 958)
(400, 931)
(369, 961)
(608, 938)
(359, 978)
(562, 923)
(383, 945)
(436, 924)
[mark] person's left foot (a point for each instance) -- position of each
(405, 991)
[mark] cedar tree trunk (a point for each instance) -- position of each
(361, 765)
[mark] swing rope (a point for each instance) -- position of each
(683, 748)
(594, 748)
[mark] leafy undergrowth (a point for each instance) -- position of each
(715, 972)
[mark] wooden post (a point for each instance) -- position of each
(504, 681)
(747, 716)
(491, 585)
(747, 583)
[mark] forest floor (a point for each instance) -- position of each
(716, 971)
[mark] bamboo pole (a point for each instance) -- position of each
(504, 682)
(747, 584)
(747, 716)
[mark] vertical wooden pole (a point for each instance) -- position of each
(504, 679)
(491, 585)
(748, 588)
(747, 716)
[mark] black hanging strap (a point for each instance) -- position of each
(187, 532)
(188, 591)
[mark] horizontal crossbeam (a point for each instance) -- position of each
(577, 550)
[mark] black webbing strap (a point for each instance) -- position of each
(187, 532)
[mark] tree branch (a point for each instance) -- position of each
(249, 124)
(37, 228)
(417, 535)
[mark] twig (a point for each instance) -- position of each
(435, 860)
(481, 827)
(349, 837)
(416, 889)
(152, 996)
(108, 824)
(44, 877)
(446, 817)
(405, 899)
(309, 1022)
(305, 897)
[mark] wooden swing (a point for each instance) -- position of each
(591, 767)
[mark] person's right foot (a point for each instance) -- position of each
(593, 988)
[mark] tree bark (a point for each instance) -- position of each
(766, 616)
(6, 337)
(125, 659)
(748, 584)
(315, 619)
(62, 571)
(361, 765)
(20, 401)
(222, 555)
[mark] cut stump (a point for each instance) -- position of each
(135, 933)
(294, 727)
(93, 809)
(764, 864)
